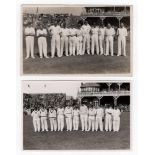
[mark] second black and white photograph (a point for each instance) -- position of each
(76, 115)
(76, 40)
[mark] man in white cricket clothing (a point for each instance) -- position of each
(84, 116)
(42, 42)
(72, 40)
(60, 113)
(109, 33)
(99, 117)
(108, 118)
(116, 119)
(52, 118)
(29, 37)
(64, 39)
(55, 31)
(36, 119)
(86, 37)
(94, 39)
(79, 40)
(43, 115)
(122, 34)
(91, 118)
(102, 39)
(68, 115)
(76, 114)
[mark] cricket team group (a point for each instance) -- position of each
(75, 40)
(68, 118)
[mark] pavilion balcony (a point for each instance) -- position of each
(105, 14)
(105, 93)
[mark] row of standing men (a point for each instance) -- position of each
(91, 118)
(75, 41)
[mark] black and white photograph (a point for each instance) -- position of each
(76, 115)
(76, 39)
(77, 77)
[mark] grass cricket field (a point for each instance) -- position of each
(77, 140)
(86, 64)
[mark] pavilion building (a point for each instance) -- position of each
(104, 93)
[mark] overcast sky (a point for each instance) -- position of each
(54, 10)
(69, 87)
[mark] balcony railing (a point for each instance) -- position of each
(104, 93)
(123, 13)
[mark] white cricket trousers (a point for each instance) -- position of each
(64, 42)
(99, 123)
(42, 44)
(55, 45)
(109, 45)
(91, 122)
(53, 123)
(79, 45)
(60, 122)
(29, 46)
(121, 45)
(94, 43)
(108, 123)
(69, 122)
(72, 44)
(86, 43)
(84, 119)
(101, 44)
(76, 123)
(36, 125)
(116, 124)
(44, 125)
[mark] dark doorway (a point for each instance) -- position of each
(112, 20)
(124, 103)
(92, 20)
(123, 100)
(107, 100)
